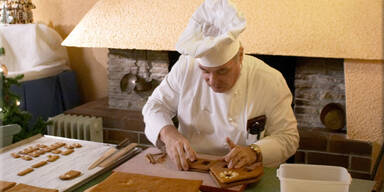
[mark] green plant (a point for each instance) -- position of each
(10, 112)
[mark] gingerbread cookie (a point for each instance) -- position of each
(23, 187)
(27, 158)
(47, 149)
(76, 145)
(69, 146)
(5, 185)
(39, 164)
(15, 155)
(56, 151)
(24, 172)
(230, 177)
(27, 150)
(52, 158)
(41, 146)
(34, 154)
(40, 151)
(56, 145)
(67, 152)
(70, 175)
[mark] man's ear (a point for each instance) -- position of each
(241, 51)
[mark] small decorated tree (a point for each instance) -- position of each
(10, 112)
(16, 11)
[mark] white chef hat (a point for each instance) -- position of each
(212, 33)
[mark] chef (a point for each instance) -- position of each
(227, 103)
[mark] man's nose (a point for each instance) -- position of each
(212, 79)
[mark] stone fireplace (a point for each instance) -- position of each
(314, 82)
(318, 82)
(133, 75)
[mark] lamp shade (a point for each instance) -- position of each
(313, 28)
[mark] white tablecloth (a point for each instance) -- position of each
(33, 50)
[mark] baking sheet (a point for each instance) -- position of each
(47, 176)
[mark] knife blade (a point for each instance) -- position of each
(108, 153)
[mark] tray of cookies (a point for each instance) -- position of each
(50, 162)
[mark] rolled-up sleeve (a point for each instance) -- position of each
(161, 106)
(281, 136)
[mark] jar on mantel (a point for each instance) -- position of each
(16, 11)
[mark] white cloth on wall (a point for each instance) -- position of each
(206, 118)
(33, 50)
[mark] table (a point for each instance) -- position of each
(268, 183)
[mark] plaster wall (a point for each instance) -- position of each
(90, 64)
(364, 99)
(302, 28)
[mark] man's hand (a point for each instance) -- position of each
(177, 147)
(239, 156)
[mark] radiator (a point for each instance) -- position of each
(76, 127)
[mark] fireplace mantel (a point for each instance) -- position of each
(334, 29)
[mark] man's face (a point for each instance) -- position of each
(222, 78)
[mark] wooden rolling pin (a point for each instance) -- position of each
(116, 156)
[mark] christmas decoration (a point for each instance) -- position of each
(10, 112)
(16, 11)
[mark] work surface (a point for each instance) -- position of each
(140, 165)
(269, 181)
(47, 176)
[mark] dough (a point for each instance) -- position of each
(34, 154)
(39, 164)
(4, 185)
(29, 188)
(56, 151)
(26, 171)
(77, 145)
(67, 152)
(225, 175)
(15, 155)
(120, 181)
(27, 158)
(70, 175)
(41, 146)
(69, 146)
(52, 158)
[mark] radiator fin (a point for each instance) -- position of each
(77, 127)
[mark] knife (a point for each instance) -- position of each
(116, 156)
(108, 153)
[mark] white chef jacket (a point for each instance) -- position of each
(206, 118)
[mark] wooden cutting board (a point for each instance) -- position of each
(140, 165)
(48, 175)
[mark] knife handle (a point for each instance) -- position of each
(102, 158)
